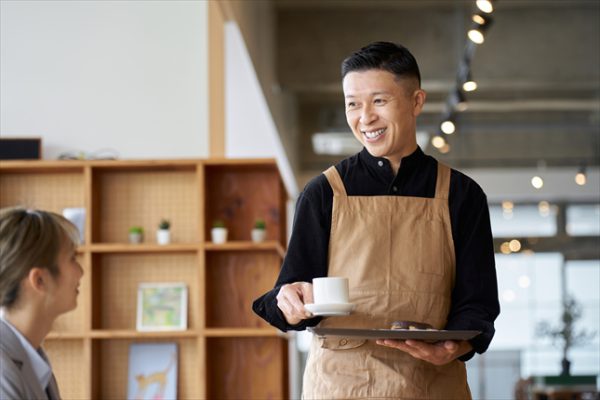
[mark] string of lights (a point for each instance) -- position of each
(456, 102)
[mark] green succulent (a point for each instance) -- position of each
(218, 224)
(136, 229)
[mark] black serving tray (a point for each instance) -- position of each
(399, 334)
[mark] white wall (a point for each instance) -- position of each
(125, 75)
(249, 127)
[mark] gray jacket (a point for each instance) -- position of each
(17, 379)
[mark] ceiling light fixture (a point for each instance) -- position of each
(448, 126)
(476, 36)
(438, 141)
(537, 182)
(544, 208)
(514, 245)
(469, 85)
(581, 176)
(485, 5)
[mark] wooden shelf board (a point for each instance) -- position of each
(65, 335)
(226, 162)
(243, 332)
(142, 248)
(270, 245)
(129, 334)
(41, 166)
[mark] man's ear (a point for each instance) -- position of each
(419, 97)
(38, 279)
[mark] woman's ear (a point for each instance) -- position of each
(37, 279)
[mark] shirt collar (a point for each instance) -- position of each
(408, 163)
(39, 364)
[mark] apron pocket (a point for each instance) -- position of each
(340, 343)
(430, 248)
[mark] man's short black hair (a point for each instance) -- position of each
(387, 56)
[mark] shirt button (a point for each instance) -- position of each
(395, 189)
(343, 342)
(380, 163)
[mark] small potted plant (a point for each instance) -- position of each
(259, 232)
(136, 234)
(163, 234)
(219, 232)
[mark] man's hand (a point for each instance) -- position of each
(439, 353)
(291, 299)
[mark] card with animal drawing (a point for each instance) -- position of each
(152, 371)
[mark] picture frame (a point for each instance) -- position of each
(152, 371)
(162, 307)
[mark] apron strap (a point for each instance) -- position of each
(442, 185)
(335, 181)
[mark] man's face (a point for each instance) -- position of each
(382, 112)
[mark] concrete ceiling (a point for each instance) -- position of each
(538, 73)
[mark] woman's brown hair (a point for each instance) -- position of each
(28, 239)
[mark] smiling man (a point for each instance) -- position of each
(412, 236)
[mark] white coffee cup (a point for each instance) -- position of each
(330, 290)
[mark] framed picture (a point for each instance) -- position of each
(152, 371)
(162, 307)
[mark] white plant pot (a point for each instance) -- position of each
(163, 236)
(219, 235)
(258, 235)
(135, 238)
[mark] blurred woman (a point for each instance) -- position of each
(39, 280)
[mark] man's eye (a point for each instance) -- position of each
(379, 101)
(350, 105)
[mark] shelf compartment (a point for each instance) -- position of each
(70, 366)
(247, 368)
(116, 278)
(111, 363)
(49, 191)
(122, 198)
(238, 194)
(233, 281)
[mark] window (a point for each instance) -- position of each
(583, 220)
(523, 220)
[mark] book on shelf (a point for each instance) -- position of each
(152, 371)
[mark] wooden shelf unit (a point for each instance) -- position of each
(227, 352)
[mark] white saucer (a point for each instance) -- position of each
(330, 310)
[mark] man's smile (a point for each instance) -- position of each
(373, 134)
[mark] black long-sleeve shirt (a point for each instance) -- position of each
(475, 303)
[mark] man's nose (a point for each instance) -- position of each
(367, 115)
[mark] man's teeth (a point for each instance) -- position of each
(374, 134)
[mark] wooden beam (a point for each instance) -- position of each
(216, 80)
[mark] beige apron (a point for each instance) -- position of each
(398, 255)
